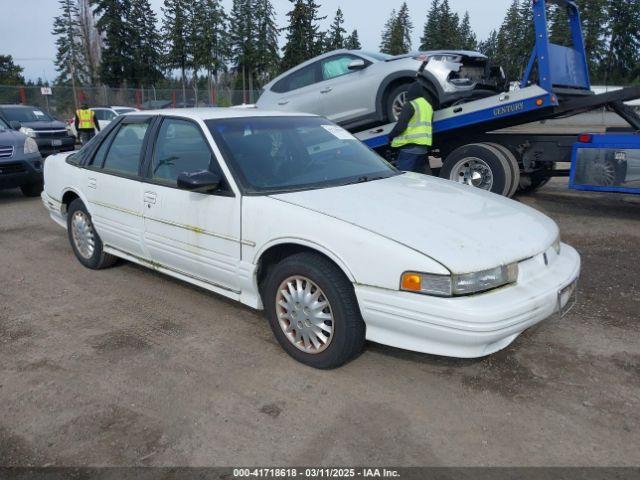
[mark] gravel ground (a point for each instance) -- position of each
(129, 367)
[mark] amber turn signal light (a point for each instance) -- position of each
(411, 282)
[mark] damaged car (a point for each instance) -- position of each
(356, 89)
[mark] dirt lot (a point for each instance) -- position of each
(129, 367)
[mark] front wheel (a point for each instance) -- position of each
(313, 311)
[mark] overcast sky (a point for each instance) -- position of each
(25, 25)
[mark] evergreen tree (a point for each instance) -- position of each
(623, 56)
(594, 16)
(242, 37)
(353, 42)
(396, 37)
(146, 56)
(429, 39)
(508, 52)
(10, 73)
(304, 40)
(267, 56)
(175, 32)
(112, 24)
(208, 40)
(448, 28)
(489, 47)
(559, 26)
(336, 38)
(468, 39)
(69, 61)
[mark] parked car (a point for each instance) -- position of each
(20, 161)
(291, 214)
(50, 134)
(356, 88)
(104, 116)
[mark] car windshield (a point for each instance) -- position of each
(279, 154)
(121, 111)
(378, 56)
(25, 114)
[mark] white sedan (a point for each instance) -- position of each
(291, 214)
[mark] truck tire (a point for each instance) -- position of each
(480, 165)
(515, 168)
(531, 182)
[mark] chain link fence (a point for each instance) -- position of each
(62, 104)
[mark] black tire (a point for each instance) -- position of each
(99, 259)
(391, 98)
(31, 189)
(515, 167)
(532, 182)
(491, 156)
(348, 337)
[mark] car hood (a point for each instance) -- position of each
(12, 137)
(52, 125)
(463, 228)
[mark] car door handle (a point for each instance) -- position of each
(92, 183)
(283, 102)
(150, 197)
(326, 90)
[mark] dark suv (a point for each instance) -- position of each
(50, 134)
(20, 161)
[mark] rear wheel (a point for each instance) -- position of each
(313, 311)
(479, 165)
(513, 164)
(31, 189)
(85, 241)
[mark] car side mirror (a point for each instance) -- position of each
(15, 125)
(357, 64)
(201, 182)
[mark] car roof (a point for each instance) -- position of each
(214, 113)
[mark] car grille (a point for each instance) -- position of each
(51, 133)
(6, 151)
(8, 168)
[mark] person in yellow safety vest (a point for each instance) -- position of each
(413, 134)
(86, 124)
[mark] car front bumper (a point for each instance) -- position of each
(50, 146)
(476, 325)
(24, 171)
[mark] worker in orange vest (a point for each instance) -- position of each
(86, 124)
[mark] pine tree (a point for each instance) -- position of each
(353, 42)
(267, 55)
(468, 39)
(429, 39)
(559, 26)
(242, 37)
(10, 73)
(489, 47)
(623, 57)
(303, 35)
(175, 32)
(594, 18)
(112, 24)
(448, 28)
(396, 36)
(336, 38)
(69, 61)
(146, 56)
(508, 54)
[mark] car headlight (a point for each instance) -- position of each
(456, 285)
(29, 132)
(30, 146)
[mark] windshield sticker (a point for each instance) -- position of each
(338, 132)
(38, 113)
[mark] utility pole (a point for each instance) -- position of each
(72, 50)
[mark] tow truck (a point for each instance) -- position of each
(475, 148)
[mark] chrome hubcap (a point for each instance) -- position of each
(82, 234)
(474, 172)
(398, 104)
(304, 314)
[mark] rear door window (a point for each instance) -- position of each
(125, 151)
(299, 79)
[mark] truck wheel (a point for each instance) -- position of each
(479, 165)
(313, 311)
(85, 241)
(513, 164)
(31, 189)
(531, 182)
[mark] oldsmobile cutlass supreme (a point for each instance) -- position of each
(291, 214)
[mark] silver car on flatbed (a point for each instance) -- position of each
(356, 88)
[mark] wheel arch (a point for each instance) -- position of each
(279, 249)
(68, 196)
(388, 84)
